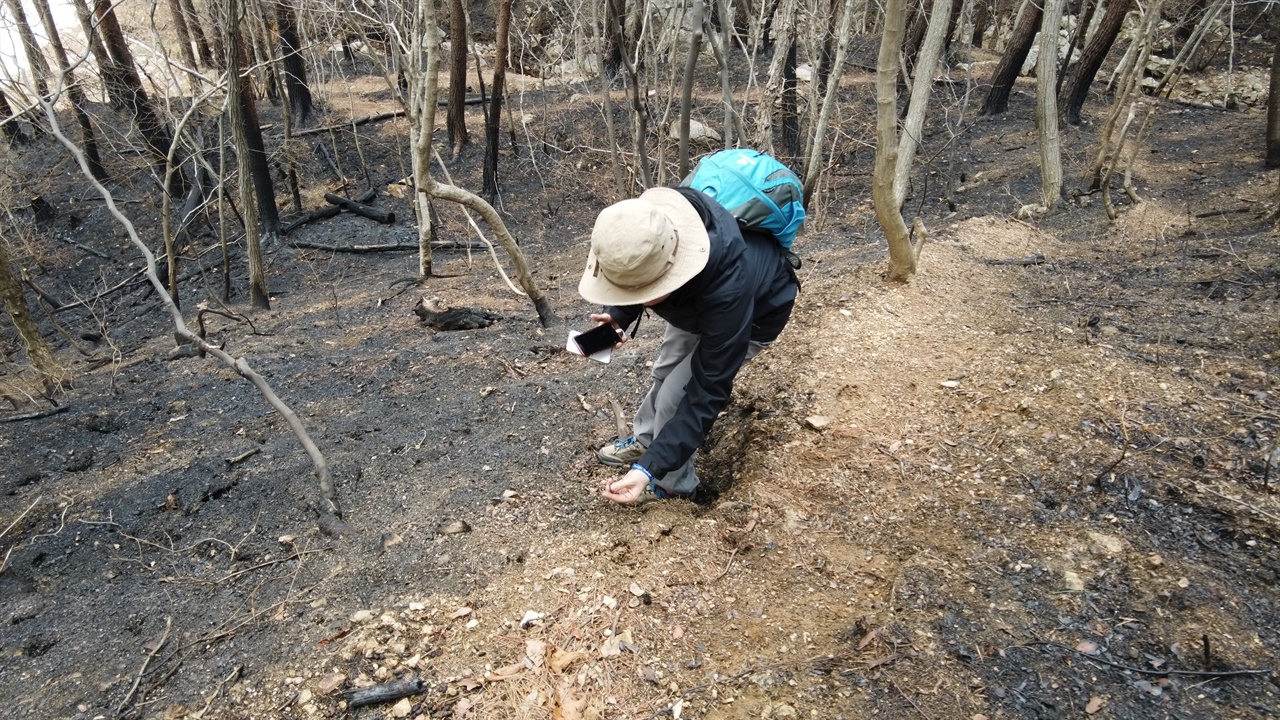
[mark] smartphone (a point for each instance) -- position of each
(602, 337)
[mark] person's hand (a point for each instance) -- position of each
(626, 489)
(603, 318)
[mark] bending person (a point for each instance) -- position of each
(725, 292)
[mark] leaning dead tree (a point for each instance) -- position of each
(75, 93)
(41, 357)
(326, 505)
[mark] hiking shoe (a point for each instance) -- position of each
(652, 493)
(621, 453)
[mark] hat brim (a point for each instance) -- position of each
(690, 258)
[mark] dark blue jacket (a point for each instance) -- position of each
(745, 293)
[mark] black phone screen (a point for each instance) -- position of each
(599, 338)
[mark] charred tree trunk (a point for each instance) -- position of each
(1024, 35)
(769, 10)
(614, 14)
(295, 70)
(828, 48)
(250, 158)
(981, 14)
(952, 23)
(112, 81)
(35, 59)
(915, 34)
(1076, 88)
(154, 132)
(192, 19)
(1077, 39)
(38, 352)
(493, 120)
(12, 131)
(183, 32)
(76, 93)
(790, 112)
(456, 118)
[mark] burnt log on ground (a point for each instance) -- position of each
(327, 212)
(385, 692)
(386, 217)
(357, 249)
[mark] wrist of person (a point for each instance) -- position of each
(642, 469)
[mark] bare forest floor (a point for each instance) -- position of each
(1038, 490)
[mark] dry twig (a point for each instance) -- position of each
(5, 562)
(168, 625)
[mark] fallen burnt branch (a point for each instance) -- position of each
(323, 213)
(385, 692)
(34, 414)
(386, 217)
(385, 247)
(1225, 211)
(327, 212)
(377, 117)
(131, 280)
(155, 648)
(457, 245)
(365, 120)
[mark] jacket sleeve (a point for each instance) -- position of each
(624, 315)
(726, 329)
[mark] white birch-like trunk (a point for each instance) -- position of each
(814, 163)
(921, 89)
(902, 256)
(423, 73)
(1047, 105)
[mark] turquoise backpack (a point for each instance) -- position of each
(759, 191)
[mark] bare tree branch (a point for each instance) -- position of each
(330, 513)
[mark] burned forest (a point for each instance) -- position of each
(288, 428)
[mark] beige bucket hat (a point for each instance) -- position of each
(644, 248)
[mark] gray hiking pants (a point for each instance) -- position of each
(671, 373)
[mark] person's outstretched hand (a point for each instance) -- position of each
(603, 318)
(626, 489)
